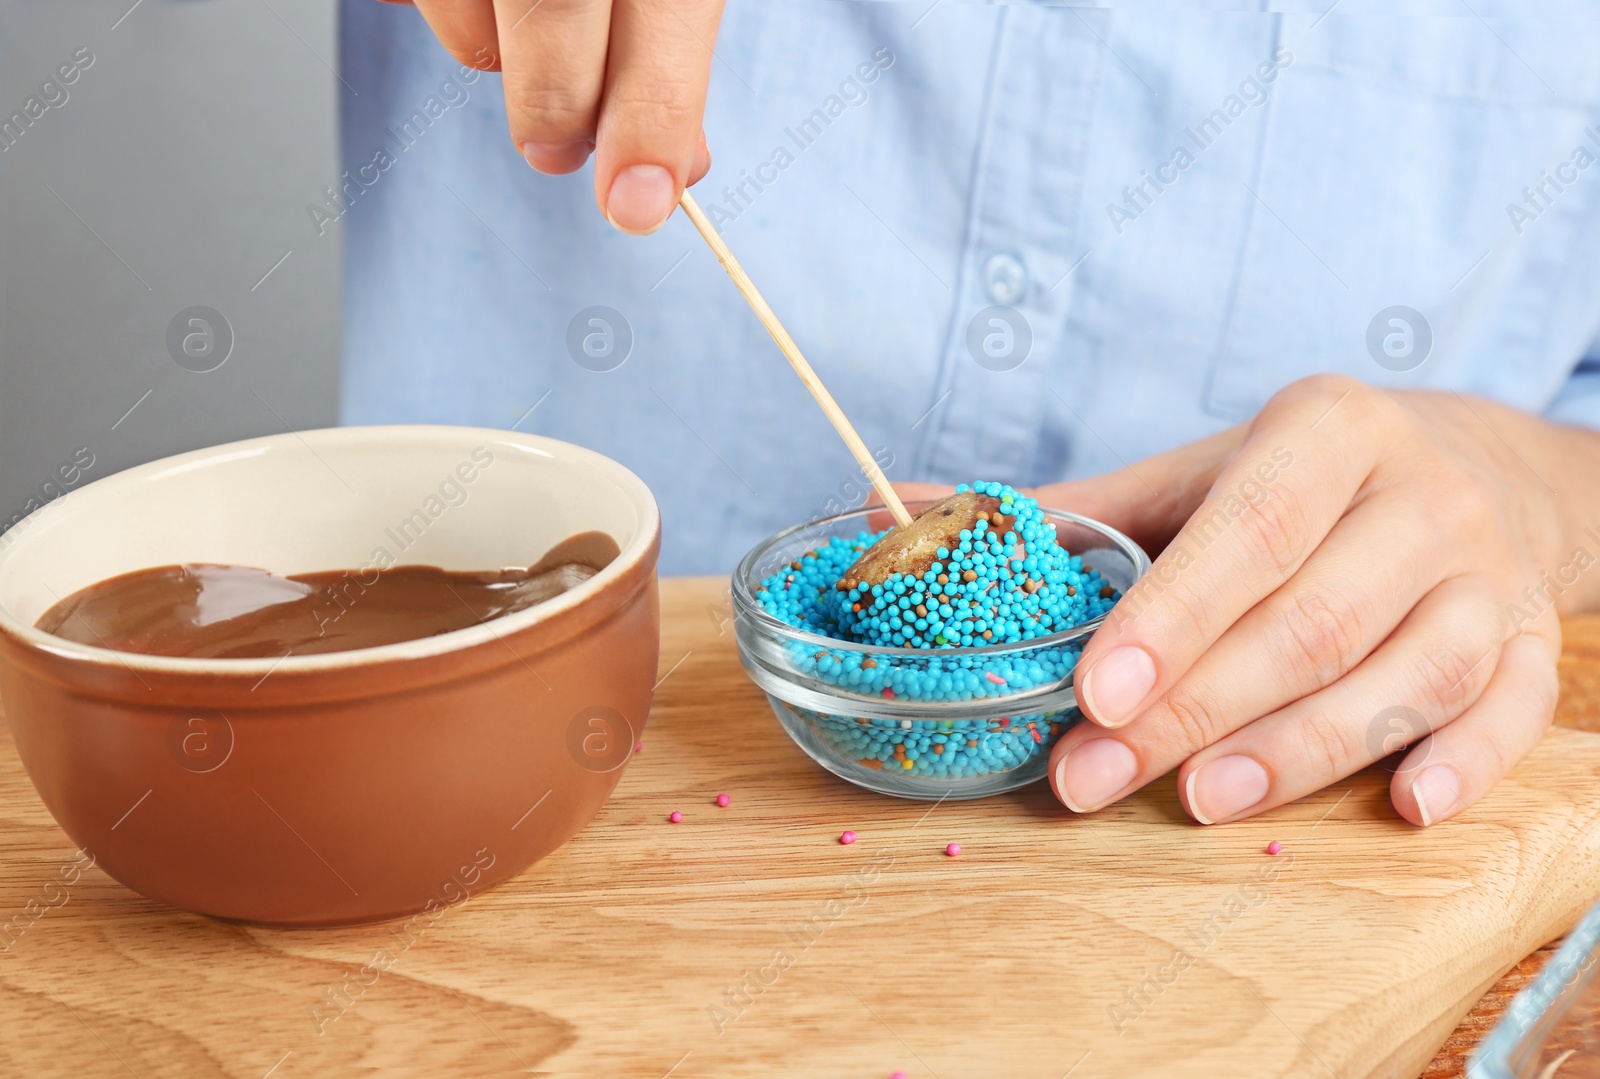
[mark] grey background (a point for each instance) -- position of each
(175, 174)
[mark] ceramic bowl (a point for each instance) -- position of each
(349, 786)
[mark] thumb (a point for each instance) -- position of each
(1151, 499)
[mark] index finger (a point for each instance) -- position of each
(554, 54)
(1290, 482)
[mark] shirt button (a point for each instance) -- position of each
(1005, 279)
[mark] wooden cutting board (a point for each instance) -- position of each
(747, 941)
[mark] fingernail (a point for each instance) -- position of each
(1094, 772)
(1115, 686)
(1437, 790)
(1224, 787)
(641, 198)
(557, 157)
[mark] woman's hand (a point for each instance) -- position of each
(1352, 571)
(625, 80)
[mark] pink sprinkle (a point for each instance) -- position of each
(953, 850)
(898, 1075)
(675, 817)
(995, 678)
(888, 694)
(1274, 847)
(847, 838)
(722, 800)
(638, 747)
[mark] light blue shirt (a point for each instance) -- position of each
(1018, 243)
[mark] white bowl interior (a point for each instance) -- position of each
(342, 498)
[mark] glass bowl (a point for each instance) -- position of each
(848, 706)
(1552, 1027)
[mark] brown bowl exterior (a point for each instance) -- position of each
(345, 795)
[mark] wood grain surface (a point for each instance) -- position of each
(746, 941)
(1579, 708)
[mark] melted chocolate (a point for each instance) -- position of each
(236, 612)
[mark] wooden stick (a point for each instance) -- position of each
(741, 280)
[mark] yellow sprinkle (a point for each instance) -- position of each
(907, 765)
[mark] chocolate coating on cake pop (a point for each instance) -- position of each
(914, 548)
